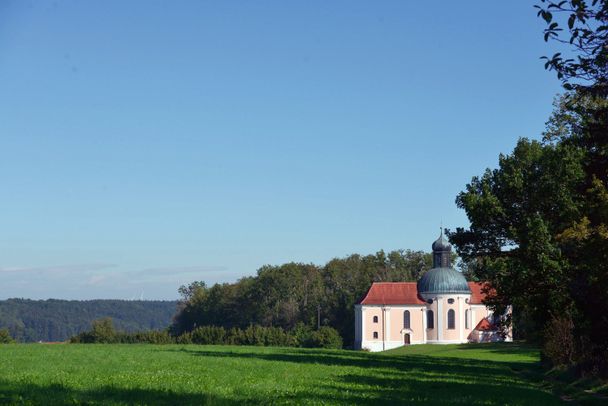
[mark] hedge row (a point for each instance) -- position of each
(302, 336)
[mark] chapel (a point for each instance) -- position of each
(441, 308)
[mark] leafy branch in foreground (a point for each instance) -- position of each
(581, 26)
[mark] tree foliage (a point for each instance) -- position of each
(582, 26)
(5, 337)
(326, 337)
(58, 320)
(291, 294)
(539, 231)
(539, 222)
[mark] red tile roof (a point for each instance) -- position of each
(477, 295)
(387, 293)
(484, 325)
(395, 293)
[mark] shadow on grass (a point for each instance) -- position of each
(511, 348)
(443, 365)
(404, 379)
(350, 378)
(12, 393)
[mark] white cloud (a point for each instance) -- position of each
(96, 280)
(77, 268)
(103, 280)
(179, 270)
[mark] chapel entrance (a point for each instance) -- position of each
(406, 339)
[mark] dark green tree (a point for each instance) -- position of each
(539, 233)
(539, 223)
(516, 211)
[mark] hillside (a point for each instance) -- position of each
(57, 320)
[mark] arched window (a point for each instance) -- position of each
(406, 319)
(451, 319)
(430, 319)
(467, 323)
(375, 334)
(375, 319)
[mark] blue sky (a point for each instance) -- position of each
(147, 144)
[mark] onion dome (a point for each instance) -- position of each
(442, 279)
(441, 243)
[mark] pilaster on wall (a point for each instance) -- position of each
(423, 310)
(387, 323)
(363, 331)
(473, 320)
(439, 319)
(461, 319)
(357, 324)
(359, 332)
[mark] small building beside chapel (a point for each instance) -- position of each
(441, 308)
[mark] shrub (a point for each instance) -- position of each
(326, 337)
(102, 331)
(185, 338)
(208, 335)
(146, 337)
(302, 335)
(252, 335)
(5, 337)
(235, 336)
(276, 336)
(559, 342)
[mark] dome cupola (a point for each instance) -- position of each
(441, 243)
(442, 279)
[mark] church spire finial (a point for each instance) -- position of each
(441, 251)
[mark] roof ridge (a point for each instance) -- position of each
(392, 282)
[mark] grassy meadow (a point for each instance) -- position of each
(489, 374)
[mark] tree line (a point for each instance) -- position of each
(293, 294)
(58, 320)
(292, 297)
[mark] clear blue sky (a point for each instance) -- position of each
(147, 144)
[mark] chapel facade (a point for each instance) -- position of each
(441, 308)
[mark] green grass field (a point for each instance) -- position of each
(489, 374)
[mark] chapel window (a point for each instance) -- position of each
(451, 319)
(375, 319)
(406, 319)
(375, 334)
(430, 319)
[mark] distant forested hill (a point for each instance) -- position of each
(58, 320)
